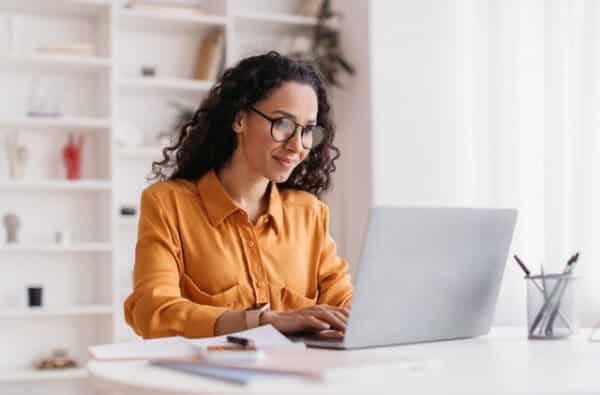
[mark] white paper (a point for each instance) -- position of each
(167, 347)
(265, 337)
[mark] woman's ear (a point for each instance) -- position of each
(239, 121)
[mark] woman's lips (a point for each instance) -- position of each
(286, 162)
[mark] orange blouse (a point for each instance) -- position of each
(198, 255)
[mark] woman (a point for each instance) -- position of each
(235, 236)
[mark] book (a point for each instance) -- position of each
(310, 8)
(209, 56)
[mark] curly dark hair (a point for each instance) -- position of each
(207, 141)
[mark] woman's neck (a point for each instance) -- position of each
(246, 189)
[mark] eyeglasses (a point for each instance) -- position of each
(283, 129)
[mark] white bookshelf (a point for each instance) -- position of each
(145, 20)
(53, 248)
(107, 88)
(41, 62)
(168, 84)
(145, 153)
(31, 375)
(51, 312)
(129, 221)
(57, 185)
(66, 122)
(275, 18)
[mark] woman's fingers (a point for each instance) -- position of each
(341, 316)
(314, 318)
(312, 322)
(341, 310)
(330, 317)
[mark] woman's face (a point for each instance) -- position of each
(264, 156)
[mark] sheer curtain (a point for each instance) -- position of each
(526, 106)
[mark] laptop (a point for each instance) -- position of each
(426, 274)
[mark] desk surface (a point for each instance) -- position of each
(502, 362)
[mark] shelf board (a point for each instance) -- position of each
(145, 152)
(165, 84)
(149, 20)
(80, 123)
(74, 247)
(29, 375)
(277, 18)
(68, 311)
(58, 7)
(56, 185)
(128, 221)
(65, 63)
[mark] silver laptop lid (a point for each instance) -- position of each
(428, 274)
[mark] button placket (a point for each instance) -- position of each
(259, 272)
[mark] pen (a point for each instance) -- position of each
(242, 341)
(545, 288)
(568, 269)
(522, 265)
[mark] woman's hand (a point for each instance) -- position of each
(315, 318)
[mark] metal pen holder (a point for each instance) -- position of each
(551, 306)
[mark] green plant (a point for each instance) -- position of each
(325, 52)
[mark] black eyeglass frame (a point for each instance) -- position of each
(296, 125)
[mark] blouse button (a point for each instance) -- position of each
(250, 244)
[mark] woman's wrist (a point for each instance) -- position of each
(230, 321)
(267, 317)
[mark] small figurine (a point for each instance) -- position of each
(72, 157)
(58, 360)
(11, 222)
(17, 157)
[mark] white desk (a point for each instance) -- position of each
(502, 362)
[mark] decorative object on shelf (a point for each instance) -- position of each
(62, 237)
(310, 8)
(148, 71)
(15, 32)
(59, 359)
(12, 224)
(128, 135)
(184, 113)
(44, 100)
(128, 211)
(325, 52)
(72, 156)
(34, 295)
(17, 155)
(210, 56)
(79, 49)
(163, 7)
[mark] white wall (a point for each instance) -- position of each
(431, 113)
(484, 103)
(352, 194)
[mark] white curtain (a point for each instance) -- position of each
(526, 107)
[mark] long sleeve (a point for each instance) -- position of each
(156, 307)
(335, 287)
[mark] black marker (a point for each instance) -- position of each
(242, 341)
